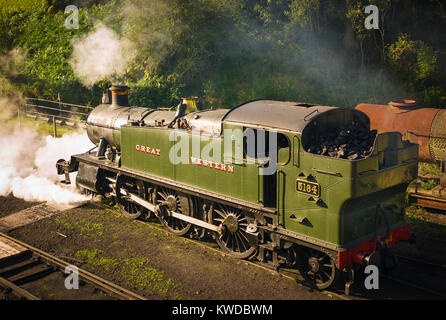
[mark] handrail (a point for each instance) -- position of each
(59, 102)
(55, 109)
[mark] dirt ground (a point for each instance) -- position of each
(152, 262)
(158, 265)
(430, 229)
(10, 204)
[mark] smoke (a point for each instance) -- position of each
(148, 25)
(9, 106)
(100, 54)
(27, 165)
(10, 98)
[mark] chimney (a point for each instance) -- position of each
(120, 96)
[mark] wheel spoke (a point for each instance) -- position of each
(233, 239)
(129, 208)
(327, 275)
(220, 213)
(325, 269)
(171, 200)
(244, 237)
(242, 242)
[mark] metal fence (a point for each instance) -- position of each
(57, 113)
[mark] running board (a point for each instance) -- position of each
(155, 208)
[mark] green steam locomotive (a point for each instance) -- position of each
(259, 177)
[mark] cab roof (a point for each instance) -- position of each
(286, 115)
(282, 115)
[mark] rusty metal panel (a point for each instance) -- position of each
(437, 143)
(413, 123)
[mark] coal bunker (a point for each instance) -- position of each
(354, 141)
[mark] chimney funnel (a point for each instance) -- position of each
(120, 96)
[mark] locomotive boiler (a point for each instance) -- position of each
(333, 202)
(423, 126)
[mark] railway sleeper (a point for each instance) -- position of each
(18, 267)
(41, 272)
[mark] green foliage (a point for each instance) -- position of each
(413, 60)
(429, 185)
(429, 168)
(416, 63)
(154, 91)
(136, 270)
(305, 13)
(227, 52)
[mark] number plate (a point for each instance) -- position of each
(311, 188)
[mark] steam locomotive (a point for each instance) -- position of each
(286, 206)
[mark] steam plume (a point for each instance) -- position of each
(100, 54)
(27, 164)
(10, 98)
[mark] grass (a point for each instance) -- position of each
(62, 222)
(429, 185)
(419, 221)
(136, 270)
(44, 128)
(85, 227)
(95, 258)
(429, 168)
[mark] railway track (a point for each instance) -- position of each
(436, 285)
(415, 286)
(29, 265)
(412, 259)
(422, 200)
(39, 264)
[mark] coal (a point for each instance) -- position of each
(354, 141)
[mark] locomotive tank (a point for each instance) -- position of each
(423, 126)
(105, 121)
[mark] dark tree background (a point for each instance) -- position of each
(227, 52)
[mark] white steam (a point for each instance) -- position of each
(28, 165)
(10, 98)
(100, 54)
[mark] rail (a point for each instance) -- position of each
(84, 275)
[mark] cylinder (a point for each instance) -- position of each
(423, 126)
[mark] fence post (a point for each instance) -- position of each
(54, 127)
(18, 115)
